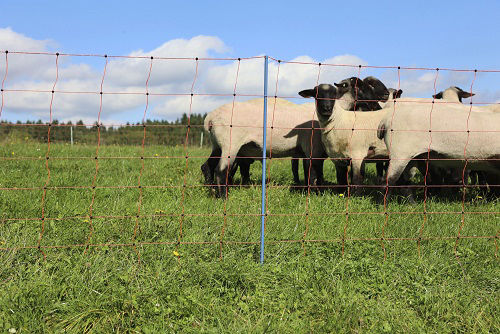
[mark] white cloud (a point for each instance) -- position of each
(123, 75)
(168, 78)
(11, 40)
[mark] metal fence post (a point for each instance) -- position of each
(264, 170)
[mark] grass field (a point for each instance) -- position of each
(305, 286)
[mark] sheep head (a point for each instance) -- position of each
(395, 93)
(325, 95)
(452, 93)
(362, 94)
(378, 90)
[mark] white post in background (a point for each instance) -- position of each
(71, 134)
(201, 140)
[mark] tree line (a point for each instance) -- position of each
(158, 132)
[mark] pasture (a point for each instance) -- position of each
(199, 270)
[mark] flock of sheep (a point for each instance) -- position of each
(357, 121)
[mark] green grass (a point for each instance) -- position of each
(302, 287)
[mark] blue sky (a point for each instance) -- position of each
(424, 33)
(449, 34)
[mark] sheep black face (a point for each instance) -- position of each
(377, 92)
(351, 84)
(325, 95)
(396, 93)
(359, 91)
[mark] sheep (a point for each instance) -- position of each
(346, 134)
(371, 95)
(434, 174)
(461, 136)
(303, 133)
(456, 94)
(361, 95)
(208, 168)
(393, 94)
(235, 130)
(382, 166)
(290, 116)
(449, 176)
(453, 94)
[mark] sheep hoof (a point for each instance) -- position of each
(245, 181)
(222, 192)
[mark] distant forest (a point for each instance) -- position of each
(158, 132)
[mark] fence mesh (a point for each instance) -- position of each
(316, 213)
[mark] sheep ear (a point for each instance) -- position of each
(465, 95)
(364, 86)
(308, 93)
(398, 93)
(438, 95)
(336, 84)
(369, 81)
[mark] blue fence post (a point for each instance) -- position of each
(264, 170)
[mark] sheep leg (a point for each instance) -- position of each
(295, 170)
(234, 168)
(453, 177)
(435, 176)
(245, 169)
(395, 170)
(341, 172)
(223, 171)
(315, 178)
(357, 176)
(317, 167)
(479, 178)
(297, 154)
(493, 181)
(308, 173)
(362, 169)
(381, 168)
(208, 168)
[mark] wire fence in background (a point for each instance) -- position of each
(181, 133)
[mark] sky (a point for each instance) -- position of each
(437, 34)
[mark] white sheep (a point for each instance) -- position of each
(236, 131)
(455, 94)
(290, 133)
(459, 135)
(452, 94)
(346, 134)
(455, 175)
(393, 94)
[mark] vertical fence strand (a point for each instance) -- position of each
(47, 156)
(91, 207)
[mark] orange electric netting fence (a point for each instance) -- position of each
(121, 178)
